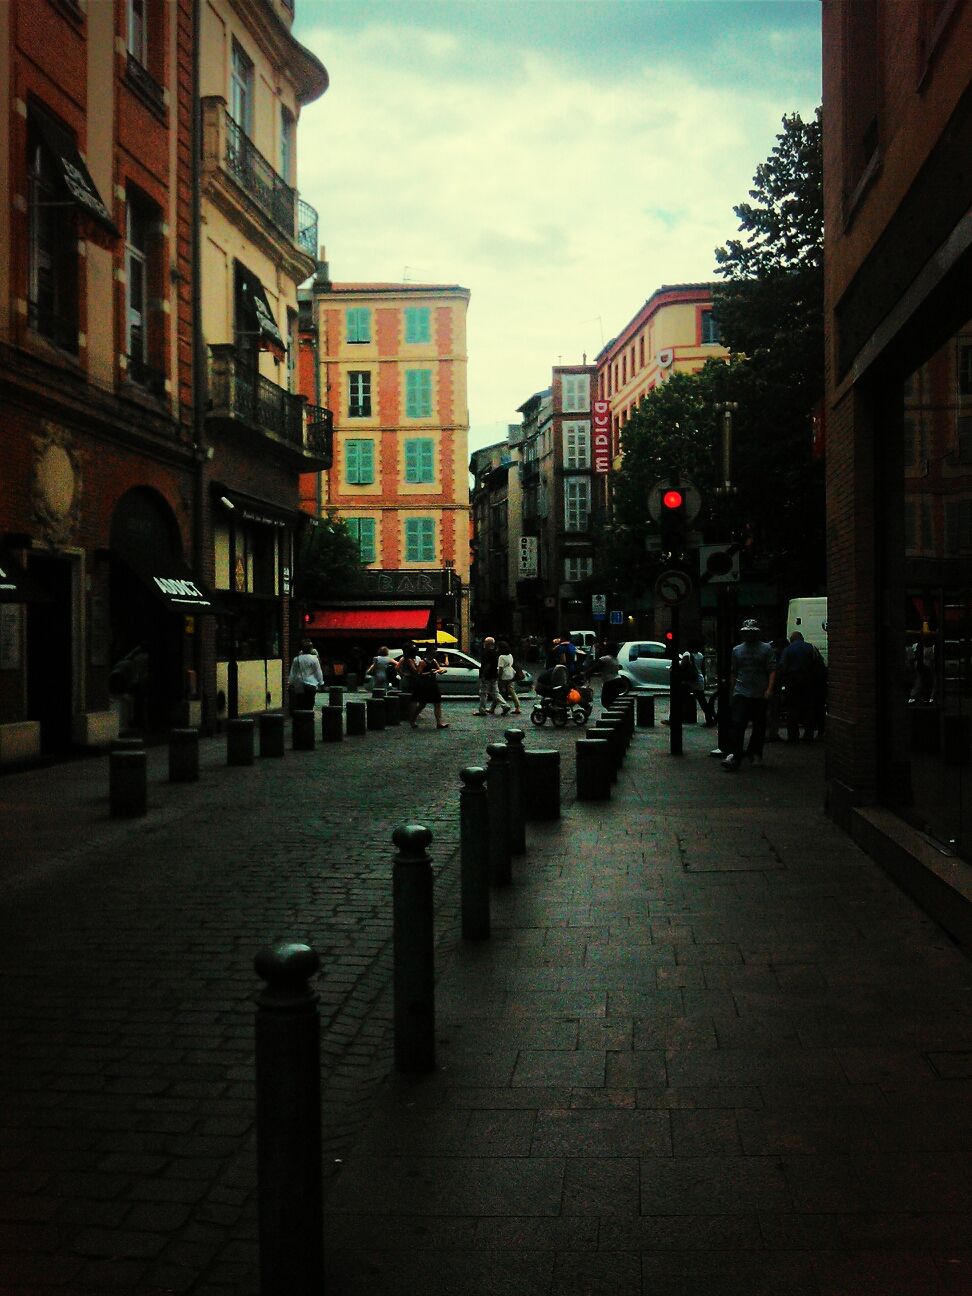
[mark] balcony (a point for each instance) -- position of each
(243, 400)
(307, 228)
(258, 178)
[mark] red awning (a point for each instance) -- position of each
(369, 621)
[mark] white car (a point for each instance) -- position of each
(643, 667)
(460, 678)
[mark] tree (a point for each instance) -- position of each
(328, 562)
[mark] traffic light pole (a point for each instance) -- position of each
(675, 687)
(724, 622)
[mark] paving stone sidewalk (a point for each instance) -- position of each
(709, 1049)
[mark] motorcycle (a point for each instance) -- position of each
(560, 705)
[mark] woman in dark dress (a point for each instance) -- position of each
(427, 689)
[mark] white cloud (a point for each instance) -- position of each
(561, 197)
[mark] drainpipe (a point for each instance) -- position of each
(199, 377)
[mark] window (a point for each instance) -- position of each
(138, 30)
(420, 540)
(965, 370)
(577, 445)
(710, 329)
(418, 393)
(359, 463)
(53, 248)
(641, 350)
(420, 460)
(624, 372)
(286, 142)
(577, 503)
(578, 569)
(359, 394)
(576, 393)
(363, 533)
(357, 320)
(141, 247)
(241, 89)
(418, 326)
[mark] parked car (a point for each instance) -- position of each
(461, 675)
(644, 667)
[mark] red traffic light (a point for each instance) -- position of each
(673, 499)
(308, 618)
(669, 636)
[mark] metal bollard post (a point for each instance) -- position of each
(357, 718)
(621, 717)
(611, 729)
(541, 781)
(288, 1123)
(514, 741)
(392, 707)
(239, 741)
(474, 852)
(183, 755)
(645, 712)
(593, 770)
(335, 696)
(596, 734)
(376, 711)
(413, 939)
(127, 744)
(405, 705)
(302, 736)
(271, 733)
(332, 724)
(498, 796)
(127, 784)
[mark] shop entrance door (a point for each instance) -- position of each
(50, 653)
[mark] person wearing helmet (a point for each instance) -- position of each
(751, 685)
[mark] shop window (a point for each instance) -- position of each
(52, 257)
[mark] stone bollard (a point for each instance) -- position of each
(474, 852)
(127, 784)
(288, 1122)
(625, 708)
(611, 728)
(405, 705)
(357, 718)
(596, 734)
(302, 735)
(239, 741)
(393, 712)
(332, 724)
(624, 724)
(127, 744)
(183, 755)
(514, 742)
(413, 938)
(376, 712)
(645, 712)
(271, 725)
(335, 697)
(351, 682)
(498, 795)
(541, 783)
(593, 769)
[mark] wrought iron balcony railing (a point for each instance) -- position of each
(320, 433)
(307, 228)
(239, 392)
(258, 178)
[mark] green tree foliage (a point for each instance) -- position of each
(328, 562)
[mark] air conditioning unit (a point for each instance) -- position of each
(665, 359)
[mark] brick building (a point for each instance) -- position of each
(898, 197)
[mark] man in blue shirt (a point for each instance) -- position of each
(751, 685)
(800, 668)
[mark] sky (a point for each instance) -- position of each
(561, 159)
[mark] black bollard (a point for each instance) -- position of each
(541, 784)
(392, 707)
(413, 938)
(288, 1123)
(335, 697)
(622, 719)
(332, 724)
(302, 735)
(474, 852)
(239, 741)
(127, 784)
(356, 718)
(597, 734)
(127, 744)
(514, 741)
(645, 712)
(593, 769)
(376, 711)
(405, 705)
(183, 755)
(611, 729)
(498, 796)
(271, 725)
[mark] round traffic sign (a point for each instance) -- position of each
(673, 586)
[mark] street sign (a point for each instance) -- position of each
(719, 564)
(673, 586)
(617, 618)
(693, 498)
(598, 606)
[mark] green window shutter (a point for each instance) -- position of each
(418, 393)
(366, 539)
(419, 460)
(417, 324)
(420, 540)
(426, 465)
(359, 462)
(358, 323)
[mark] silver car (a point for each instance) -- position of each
(460, 678)
(644, 667)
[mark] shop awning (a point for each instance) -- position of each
(176, 587)
(257, 306)
(250, 508)
(350, 622)
(74, 175)
(17, 585)
(442, 637)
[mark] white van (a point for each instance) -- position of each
(586, 639)
(809, 616)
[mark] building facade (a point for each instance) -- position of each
(898, 198)
(392, 368)
(101, 476)
(258, 241)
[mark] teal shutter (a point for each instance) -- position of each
(420, 460)
(417, 324)
(366, 540)
(358, 323)
(420, 540)
(418, 393)
(359, 462)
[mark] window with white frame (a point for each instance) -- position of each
(711, 335)
(577, 568)
(577, 503)
(359, 393)
(420, 539)
(286, 142)
(52, 254)
(420, 460)
(362, 531)
(577, 445)
(140, 223)
(241, 89)
(576, 393)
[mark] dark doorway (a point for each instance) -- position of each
(50, 653)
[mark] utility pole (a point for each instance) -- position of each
(725, 596)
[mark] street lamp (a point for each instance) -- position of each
(726, 409)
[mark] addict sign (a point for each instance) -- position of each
(601, 437)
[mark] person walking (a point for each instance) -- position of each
(305, 677)
(409, 665)
(752, 679)
(489, 698)
(383, 669)
(693, 673)
(799, 669)
(427, 689)
(507, 675)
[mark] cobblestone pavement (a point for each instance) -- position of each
(126, 958)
